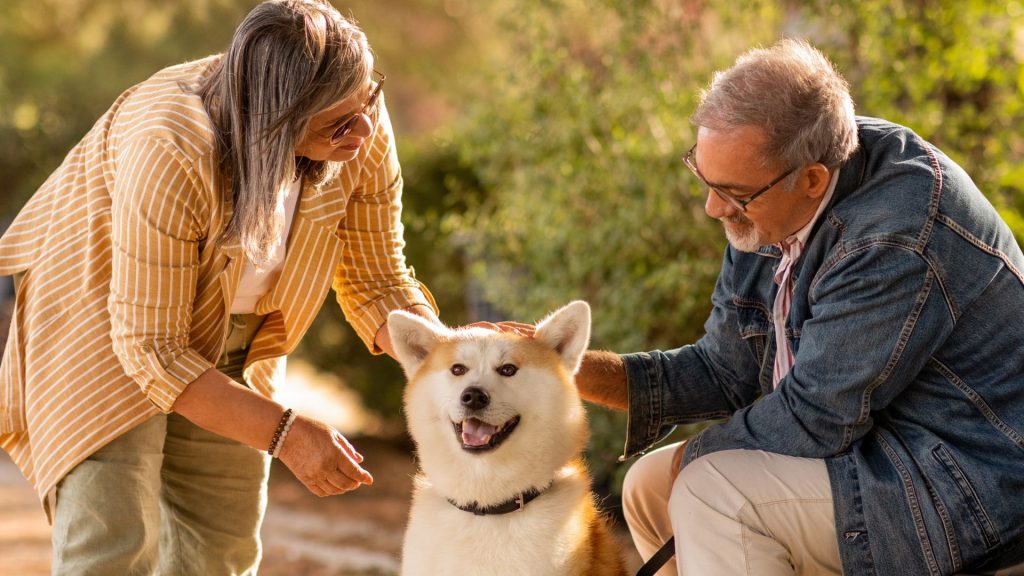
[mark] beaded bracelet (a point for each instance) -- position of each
(282, 430)
(284, 434)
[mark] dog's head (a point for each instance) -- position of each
(493, 413)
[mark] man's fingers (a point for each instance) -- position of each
(487, 325)
(508, 326)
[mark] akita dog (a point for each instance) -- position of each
(499, 427)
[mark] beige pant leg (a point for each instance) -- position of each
(754, 513)
(107, 517)
(645, 493)
(214, 494)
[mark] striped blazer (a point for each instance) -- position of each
(125, 296)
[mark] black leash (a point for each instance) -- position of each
(666, 552)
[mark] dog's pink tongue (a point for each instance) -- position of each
(476, 433)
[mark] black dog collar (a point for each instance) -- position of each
(516, 504)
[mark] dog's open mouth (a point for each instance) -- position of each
(479, 436)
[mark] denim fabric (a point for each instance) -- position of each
(908, 328)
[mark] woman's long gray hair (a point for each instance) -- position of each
(288, 60)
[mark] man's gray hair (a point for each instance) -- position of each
(288, 60)
(791, 92)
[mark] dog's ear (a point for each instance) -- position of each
(413, 337)
(567, 332)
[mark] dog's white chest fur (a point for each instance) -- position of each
(539, 540)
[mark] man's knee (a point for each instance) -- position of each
(705, 482)
(647, 484)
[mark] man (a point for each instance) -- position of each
(864, 350)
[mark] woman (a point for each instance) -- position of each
(165, 269)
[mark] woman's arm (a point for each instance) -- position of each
(319, 456)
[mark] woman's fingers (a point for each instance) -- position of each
(348, 447)
(354, 471)
(322, 459)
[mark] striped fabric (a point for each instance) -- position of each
(792, 248)
(124, 297)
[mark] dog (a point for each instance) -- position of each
(499, 428)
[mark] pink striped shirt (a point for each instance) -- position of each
(792, 248)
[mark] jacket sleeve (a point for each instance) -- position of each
(157, 208)
(372, 278)
(877, 317)
(708, 380)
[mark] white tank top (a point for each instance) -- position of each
(256, 283)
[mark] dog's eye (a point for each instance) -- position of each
(507, 369)
(459, 369)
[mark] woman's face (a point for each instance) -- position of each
(316, 143)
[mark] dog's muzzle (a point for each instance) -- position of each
(475, 435)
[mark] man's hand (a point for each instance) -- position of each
(322, 459)
(517, 328)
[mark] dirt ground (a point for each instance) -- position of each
(356, 534)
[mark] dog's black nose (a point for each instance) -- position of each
(475, 398)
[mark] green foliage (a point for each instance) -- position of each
(951, 70)
(576, 126)
(63, 63)
(575, 131)
(541, 139)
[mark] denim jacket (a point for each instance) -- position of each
(907, 326)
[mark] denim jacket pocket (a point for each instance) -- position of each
(965, 503)
(755, 325)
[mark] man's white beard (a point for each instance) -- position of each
(745, 237)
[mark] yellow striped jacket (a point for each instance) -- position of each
(125, 296)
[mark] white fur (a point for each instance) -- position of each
(440, 538)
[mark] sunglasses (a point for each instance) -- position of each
(368, 109)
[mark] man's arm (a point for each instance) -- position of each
(602, 379)
(877, 317)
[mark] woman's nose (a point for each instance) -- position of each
(363, 126)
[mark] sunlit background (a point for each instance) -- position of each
(540, 143)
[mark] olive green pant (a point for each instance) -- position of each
(167, 497)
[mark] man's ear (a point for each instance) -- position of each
(413, 338)
(817, 177)
(567, 332)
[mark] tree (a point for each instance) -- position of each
(576, 127)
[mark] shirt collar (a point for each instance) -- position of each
(804, 233)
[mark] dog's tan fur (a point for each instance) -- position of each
(559, 533)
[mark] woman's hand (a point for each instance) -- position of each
(322, 459)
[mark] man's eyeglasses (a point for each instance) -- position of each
(368, 108)
(734, 201)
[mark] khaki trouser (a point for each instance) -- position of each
(166, 497)
(727, 520)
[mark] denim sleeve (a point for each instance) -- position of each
(704, 381)
(877, 315)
